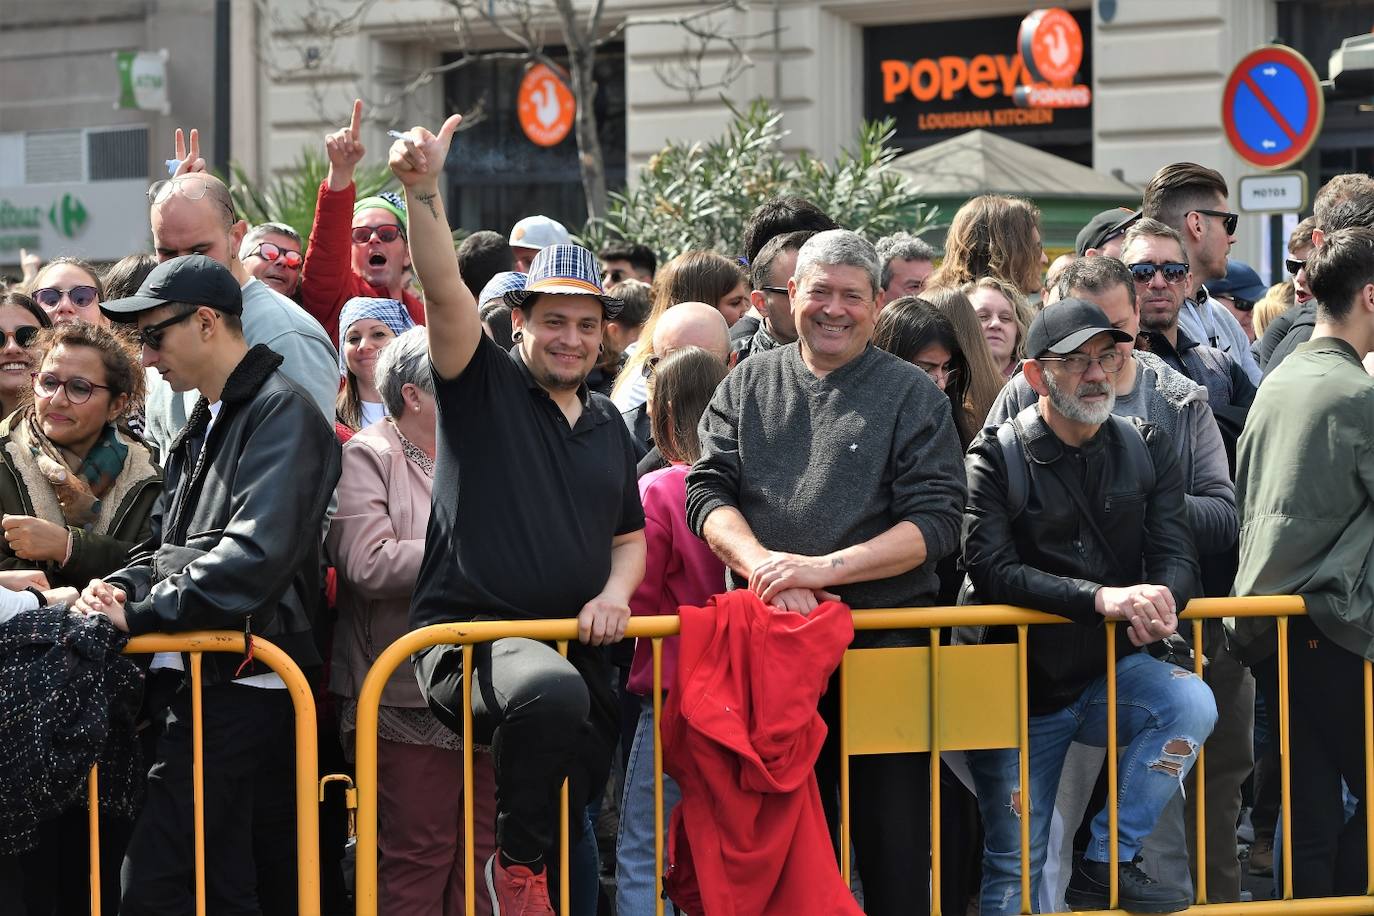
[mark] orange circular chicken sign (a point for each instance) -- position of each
(1051, 45)
(545, 106)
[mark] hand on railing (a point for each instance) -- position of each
(1148, 609)
(602, 621)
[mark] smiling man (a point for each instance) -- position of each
(530, 463)
(829, 465)
(357, 247)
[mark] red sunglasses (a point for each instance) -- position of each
(269, 252)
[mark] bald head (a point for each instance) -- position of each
(194, 214)
(692, 324)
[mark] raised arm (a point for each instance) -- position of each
(450, 311)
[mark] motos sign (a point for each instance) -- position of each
(940, 78)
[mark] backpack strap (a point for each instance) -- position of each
(1137, 452)
(1018, 478)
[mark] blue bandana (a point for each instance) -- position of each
(388, 311)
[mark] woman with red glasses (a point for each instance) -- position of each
(69, 289)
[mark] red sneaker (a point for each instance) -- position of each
(517, 891)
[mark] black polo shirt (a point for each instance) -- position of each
(525, 507)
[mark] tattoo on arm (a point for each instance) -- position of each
(836, 562)
(428, 201)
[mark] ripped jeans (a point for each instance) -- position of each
(1163, 715)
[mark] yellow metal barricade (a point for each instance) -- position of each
(307, 813)
(937, 683)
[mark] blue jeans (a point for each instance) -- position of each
(634, 850)
(1163, 714)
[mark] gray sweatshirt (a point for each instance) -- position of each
(817, 465)
(1173, 402)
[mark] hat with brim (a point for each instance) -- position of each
(1067, 325)
(564, 270)
(194, 279)
(1104, 227)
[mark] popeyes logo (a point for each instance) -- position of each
(1040, 76)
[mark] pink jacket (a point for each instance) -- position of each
(680, 568)
(376, 542)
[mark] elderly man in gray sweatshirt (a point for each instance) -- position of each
(830, 466)
(1149, 389)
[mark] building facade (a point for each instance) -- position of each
(266, 79)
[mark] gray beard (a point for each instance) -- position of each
(1074, 408)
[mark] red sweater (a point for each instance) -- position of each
(741, 734)
(327, 277)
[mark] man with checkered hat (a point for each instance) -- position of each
(536, 516)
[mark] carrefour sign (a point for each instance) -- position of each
(99, 220)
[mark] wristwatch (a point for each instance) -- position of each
(42, 598)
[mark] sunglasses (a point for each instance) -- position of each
(613, 276)
(1232, 220)
(1144, 272)
(269, 252)
(385, 233)
(79, 391)
(80, 296)
(151, 336)
(1293, 265)
(650, 365)
(22, 336)
(780, 290)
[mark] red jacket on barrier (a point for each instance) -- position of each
(741, 733)
(327, 277)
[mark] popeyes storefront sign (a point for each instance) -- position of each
(1003, 74)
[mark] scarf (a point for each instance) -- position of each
(79, 489)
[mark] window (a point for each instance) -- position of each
(117, 153)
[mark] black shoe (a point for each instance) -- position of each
(1137, 892)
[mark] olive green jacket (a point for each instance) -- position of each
(1305, 487)
(126, 511)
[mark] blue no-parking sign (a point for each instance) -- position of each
(1272, 108)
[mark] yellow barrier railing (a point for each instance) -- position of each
(924, 728)
(307, 813)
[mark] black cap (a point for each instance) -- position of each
(1104, 227)
(1066, 325)
(194, 279)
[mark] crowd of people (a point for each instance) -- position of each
(328, 445)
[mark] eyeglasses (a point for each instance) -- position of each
(1078, 363)
(80, 296)
(780, 290)
(1144, 272)
(945, 373)
(192, 187)
(1293, 265)
(151, 336)
(650, 364)
(385, 233)
(1231, 219)
(79, 390)
(23, 336)
(269, 252)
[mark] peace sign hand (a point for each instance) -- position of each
(417, 159)
(189, 160)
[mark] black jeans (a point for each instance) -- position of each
(247, 732)
(889, 818)
(547, 718)
(1326, 745)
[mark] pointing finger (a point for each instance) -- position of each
(356, 124)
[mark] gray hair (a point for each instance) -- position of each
(837, 247)
(902, 246)
(1153, 229)
(258, 232)
(404, 361)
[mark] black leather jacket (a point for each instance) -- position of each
(237, 533)
(1050, 559)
